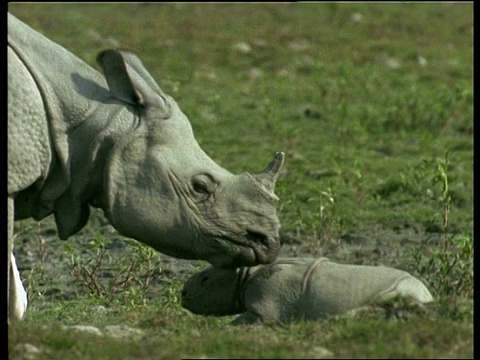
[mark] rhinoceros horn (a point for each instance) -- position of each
(269, 176)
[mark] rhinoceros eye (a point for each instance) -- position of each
(200, 187)
(204, 185)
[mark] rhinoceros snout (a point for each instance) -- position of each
(258, 237)
(266, 247)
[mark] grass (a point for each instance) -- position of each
(365, 99)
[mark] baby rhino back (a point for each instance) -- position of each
(293, 289)
(333, 288)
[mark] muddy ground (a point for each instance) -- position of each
(47, 268)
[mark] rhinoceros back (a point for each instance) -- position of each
(68, 85)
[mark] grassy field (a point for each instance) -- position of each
(373, 106)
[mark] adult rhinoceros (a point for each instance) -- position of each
(77, 138)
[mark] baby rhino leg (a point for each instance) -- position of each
(413, 287)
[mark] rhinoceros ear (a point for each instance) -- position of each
(129, 81)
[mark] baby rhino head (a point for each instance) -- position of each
(212, 292)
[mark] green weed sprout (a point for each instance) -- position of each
(449, 271)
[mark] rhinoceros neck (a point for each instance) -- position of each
(84, 122)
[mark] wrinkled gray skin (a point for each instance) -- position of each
(77, 138)
(295, 289)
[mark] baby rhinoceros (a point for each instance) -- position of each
(295, 289)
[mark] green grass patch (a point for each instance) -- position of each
(373, 106)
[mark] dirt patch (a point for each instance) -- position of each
(46, 268)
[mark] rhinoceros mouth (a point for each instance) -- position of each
(261, 246)
(253, 248)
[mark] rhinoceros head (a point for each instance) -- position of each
(214, 291)
(163, 190)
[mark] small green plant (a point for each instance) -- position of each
(431, 181)
(449, 271)
(330, 224)
(37, 272)
(322, 228)
(105, 277)
(441, 176)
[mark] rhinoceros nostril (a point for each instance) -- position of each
(257, 237)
